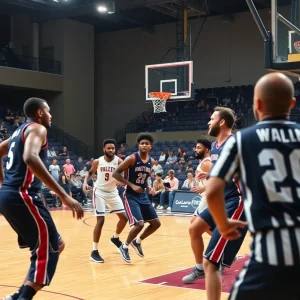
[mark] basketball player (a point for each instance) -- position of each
(202, 152)
(105, 192)
(137, 204)
(20, 200)
(266, 158)
(219, 251)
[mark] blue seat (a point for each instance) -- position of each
(181, 177)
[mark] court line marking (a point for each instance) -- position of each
(50, 292)
(178, 287)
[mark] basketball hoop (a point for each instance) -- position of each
(297, 46)
(159, 100)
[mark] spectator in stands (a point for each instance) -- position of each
(181, 158)
(83, 172)
(239, 118)
(16, 123)
(54, 169)
(202, 105)
(64, 152)
(69, 168)
(76, 188)
(9, 116)
(64, 181)
(182, 168)
(157, 189)
(89, 163)
(151, 178)
(121, 151)
(156, 167)
(190, 167)
(226, 101)
(51, 152)
(79, 165)
(22, 118)
(189, 182)
(172, 159)
(169, 192)
(162, 157)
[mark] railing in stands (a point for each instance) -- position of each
(68, 141)
(31, 63)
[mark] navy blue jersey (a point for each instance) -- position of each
(266, 157)
(231, 190)
(17, 175)
(138, 173)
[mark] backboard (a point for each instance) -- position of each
(285, 48)
(175, 78)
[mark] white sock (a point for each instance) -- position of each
(95, 246)
(125, 246)
(199, 267)
(138, 240)
(116, 235)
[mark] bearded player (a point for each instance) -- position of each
(202, 152)
(106, 192)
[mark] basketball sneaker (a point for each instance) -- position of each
(125, 254)
(116, 242)
(193, 276)
(137, 247)
(14, 296)
(95, 256)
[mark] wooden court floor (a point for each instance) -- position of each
(166, 251)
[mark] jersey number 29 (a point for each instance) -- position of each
(273, 178)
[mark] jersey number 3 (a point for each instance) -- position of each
(273, 178)
(10, 156)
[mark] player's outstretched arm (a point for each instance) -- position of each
(117, 174)
(3, 152)
(35, 137)
(91, 172)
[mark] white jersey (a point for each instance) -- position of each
(105, 182)
(199, 169)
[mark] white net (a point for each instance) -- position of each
(159, 105)
(297, 46)
(159, 101)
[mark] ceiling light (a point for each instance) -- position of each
(102, 8)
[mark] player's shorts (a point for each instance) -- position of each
(219, 250)
(138, 208)
(259, 281)
(33, 223)
(201, 207)
(112, 199)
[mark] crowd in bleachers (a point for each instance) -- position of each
(174, 161)
(194, 115)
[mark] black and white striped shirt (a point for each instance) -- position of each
(266, 159)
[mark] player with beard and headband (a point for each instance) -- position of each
(139, 209)
(202, 152)
(20, 197)
(221, 252)
(105, 192)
